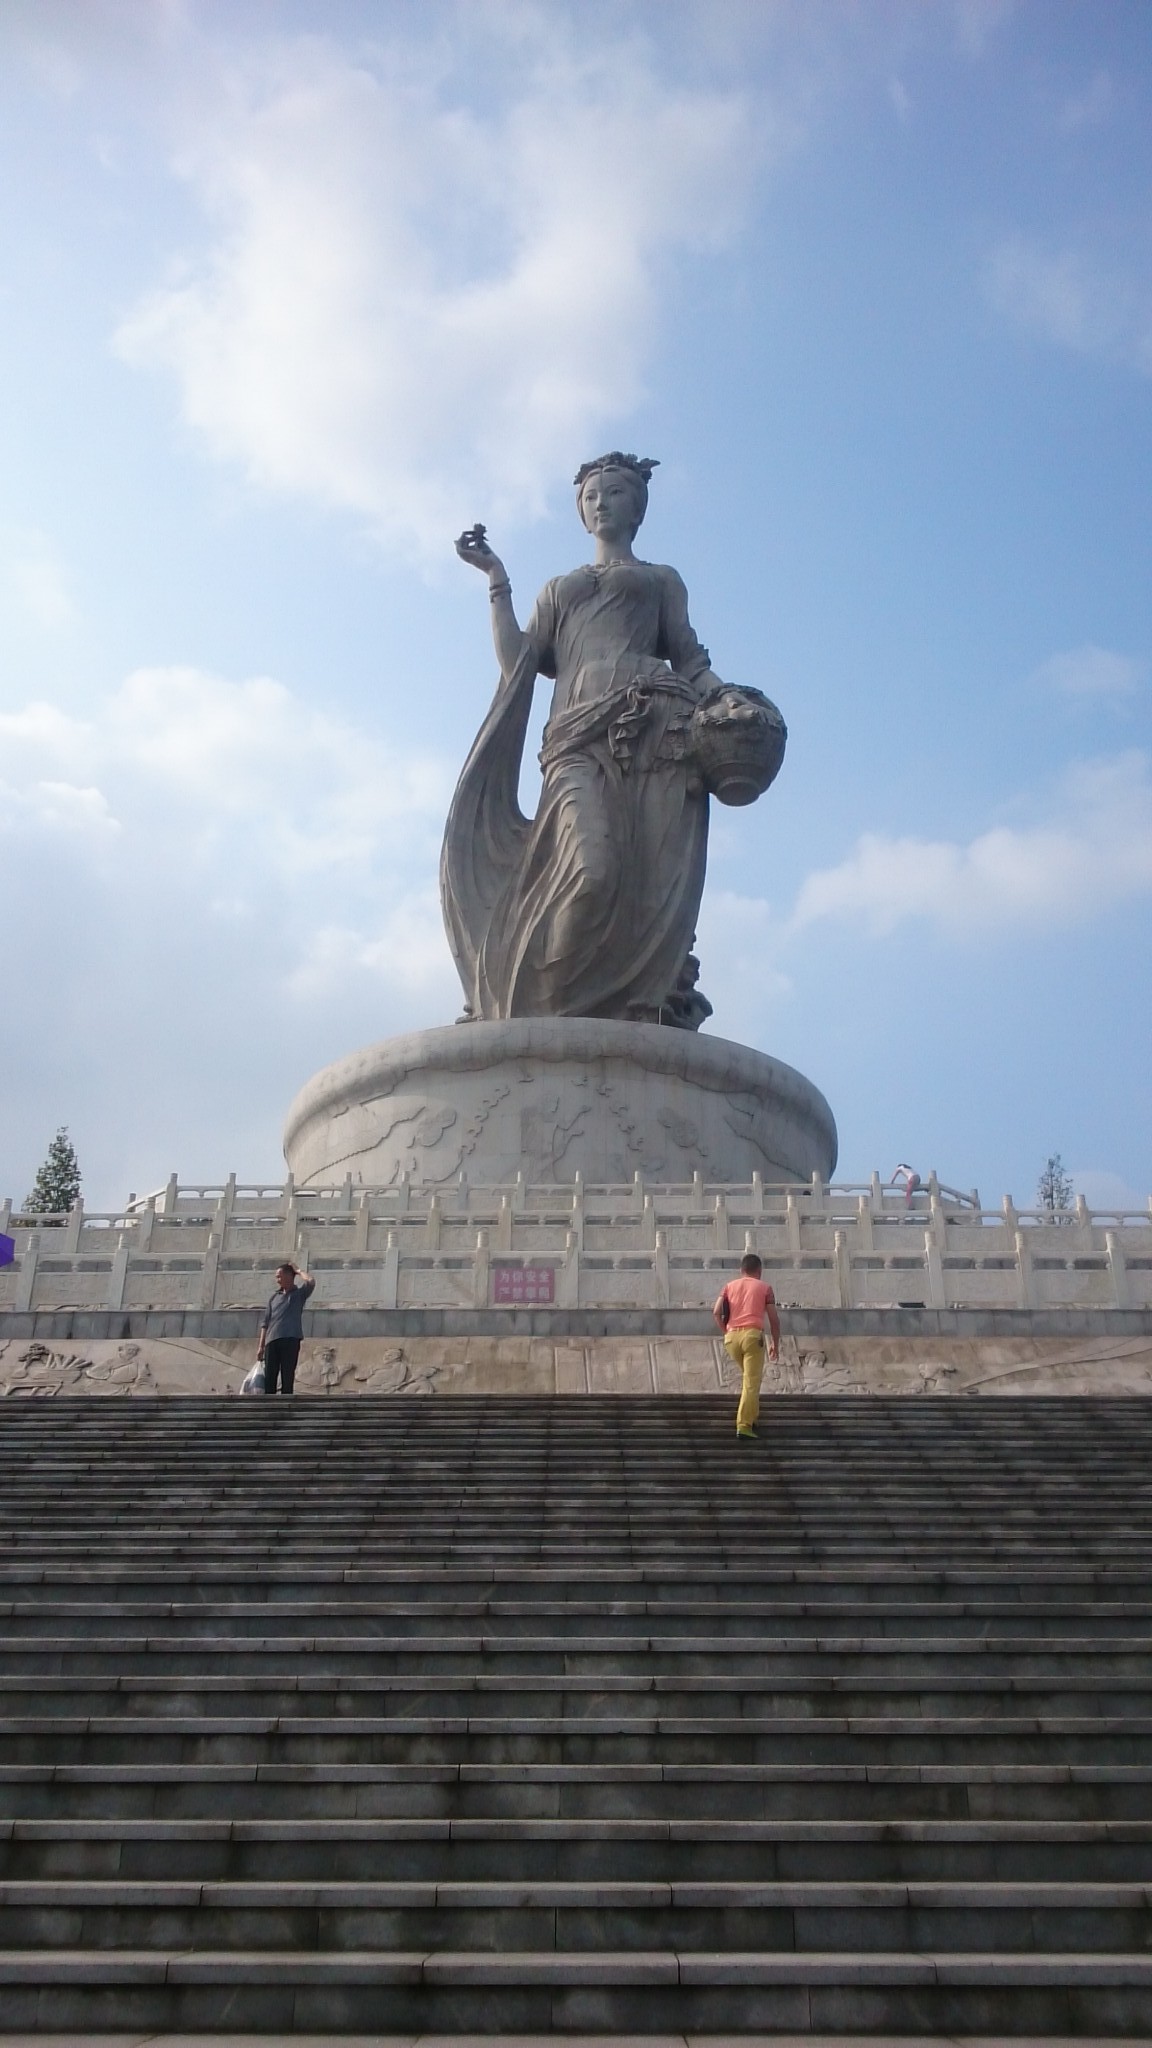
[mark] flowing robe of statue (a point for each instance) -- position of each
(589, 909)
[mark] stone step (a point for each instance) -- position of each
(723, 1661)
(588, 1850)
(273, 1585)
(541, 1915)
(593, 1704)
(685, 1793)
(488, 1715)
(882, 1739)
(541, 1992)
(777, 1623)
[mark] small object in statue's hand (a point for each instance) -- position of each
(475, 537)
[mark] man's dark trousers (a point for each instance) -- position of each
(280, 1355)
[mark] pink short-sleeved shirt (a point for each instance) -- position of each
(748, 1300)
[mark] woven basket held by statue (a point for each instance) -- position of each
(738, 739)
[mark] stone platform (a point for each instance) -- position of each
(554, 1098)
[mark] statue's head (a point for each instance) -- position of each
(631, 470)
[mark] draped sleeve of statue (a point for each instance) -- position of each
(487, 832)
(588, 909)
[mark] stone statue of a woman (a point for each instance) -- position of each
(589, 908)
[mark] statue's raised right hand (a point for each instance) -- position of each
(472, 547)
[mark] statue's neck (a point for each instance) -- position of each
(612, 551)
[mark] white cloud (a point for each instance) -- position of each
(419, 311)
(1093, 851)
(978, 21)
(1103, 1189)
(738, 944)
(900, 97)
(1076, 300)
(249, 774)
(1090, 671)
(32, 580)
(1090, 107)
(57, 808)
(217, 889)
(405, 949)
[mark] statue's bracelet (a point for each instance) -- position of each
(501, 589)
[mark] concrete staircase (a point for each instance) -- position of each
(573, 1714)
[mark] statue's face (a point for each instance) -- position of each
(729, 706)
(608, 504)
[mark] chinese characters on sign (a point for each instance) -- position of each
(523, 1284)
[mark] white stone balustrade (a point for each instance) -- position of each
(628, 1246)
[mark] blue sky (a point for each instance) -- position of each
(289, 293)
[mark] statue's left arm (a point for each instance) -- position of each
(678, 644)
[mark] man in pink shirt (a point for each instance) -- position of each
(741, 1311)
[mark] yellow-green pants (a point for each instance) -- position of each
(746, 1349)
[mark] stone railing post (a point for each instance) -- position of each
(433, 1224)
(481, 1263)
(6, 1216)
(170, 1199)
(290, 1228)
(843, 1259)
(648, 1223)
(720, 1224)
(504, 1226)
(792, 1223)
(661, 1287)
(568, 1275)
(935, 1266)
(1118, 1267)
(26, 1284)
(390, 1271)
(145, 1224)
(70, 1240)
(1025, 1289)
(208, 1272)
(118, 1277)
(362, 1224)
(757, 1194)
(864, 1238)
(578, 1211)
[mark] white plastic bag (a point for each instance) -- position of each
(254, 1380)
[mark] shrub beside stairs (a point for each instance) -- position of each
(479, 1715)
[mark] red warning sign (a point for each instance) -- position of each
(523, 1284)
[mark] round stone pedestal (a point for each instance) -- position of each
(550, 1097)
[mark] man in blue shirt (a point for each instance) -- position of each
(283, 1327)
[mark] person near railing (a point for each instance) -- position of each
(282, 1327)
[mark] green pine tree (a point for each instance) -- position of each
(57, 1184)
(1054, 1188)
